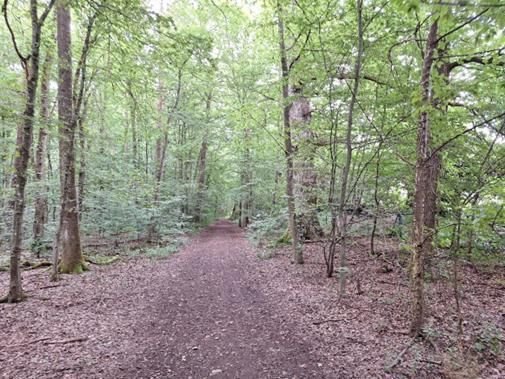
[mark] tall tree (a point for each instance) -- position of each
(288, 142)
(30, 65)
(69, 243)
(40, 217)
(424, 177)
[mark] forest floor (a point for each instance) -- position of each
(216, 309)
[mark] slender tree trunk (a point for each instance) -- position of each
(376, 200)
(41, 211)
(348, 155)
(69, 238)
(133, 121)
(161, 150)
(202, 166)
(160, 108)
(422, 186)
(80, 101)
(430, 208)
(23, 145)
(82, 166)
(288, 144)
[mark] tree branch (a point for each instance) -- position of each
(46, 12)
(466, 131)
(469, 21)
(22, 58)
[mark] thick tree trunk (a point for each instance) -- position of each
(288, 144)
(305, 175)
(69, 238)
(41, 211)
(421, 234)
(23, 145)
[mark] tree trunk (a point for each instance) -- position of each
(161, 149)
(422, 187)
(288, 145)
(201, 180)
(376, 199)
(202, 165)
(41, 211)
(80, 101)
(69, 238)
(82, 166)
(348, 155)
(430, 208)
(305, 176)
(133, 117)
(23, 145)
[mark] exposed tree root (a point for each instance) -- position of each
(9, 300)
(76, 269)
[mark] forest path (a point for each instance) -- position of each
(203, 312)
(211, 319)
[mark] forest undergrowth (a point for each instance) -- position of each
(362, 334)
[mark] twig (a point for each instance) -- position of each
(333, 320)
(399, 357)
(61, 342)
(29, 342)
(430, 361)
(50, 286)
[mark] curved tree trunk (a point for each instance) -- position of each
(23, 144)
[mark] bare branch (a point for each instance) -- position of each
(22, 58)
(469, 21)
(46, 12)
(466, 131)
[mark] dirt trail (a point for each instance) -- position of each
(199, 314)
(212, 320)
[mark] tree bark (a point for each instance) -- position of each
(69, 238)
(420, 232)
(305, 176)
(133, 118)
(41, 211)
(288, 144)
(80, 100)
(24, 138)
(202, 166)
